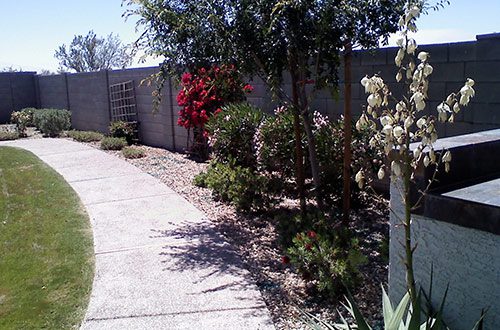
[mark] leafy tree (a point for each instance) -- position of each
(46, 72)
(267, 38)
(92, 53)
(11, 69)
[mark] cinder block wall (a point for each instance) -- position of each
(453, 63)
(159, 127)
(88, 100)
(17, 90)
(86, 94)
(53, 92)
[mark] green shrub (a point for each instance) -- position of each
(4, 136)
(200, 180)
(121, 129)
(132, 153)
(113, 143)
(237, 185)
(232, 131)
(275, 145)
(52, 122)
(37, 117)
(275, 150)
(330, 149)
(23, 119)
(29, 112)
(85, 136)
(325, 255)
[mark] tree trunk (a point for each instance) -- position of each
(346, 205)
(311, 141)
(299, 155)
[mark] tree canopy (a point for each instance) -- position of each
(267, 38)
(260, 35)
(92, 53)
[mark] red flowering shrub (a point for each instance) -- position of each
(203, 94)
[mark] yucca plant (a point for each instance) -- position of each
(398, 124)
(403, 317)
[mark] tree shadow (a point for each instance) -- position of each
(202, 249)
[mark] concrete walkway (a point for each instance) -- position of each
(159, 263)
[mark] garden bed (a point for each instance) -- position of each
(256, 238)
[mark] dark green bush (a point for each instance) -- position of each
(133, 153)
(275, 145)
(121, 129)
(240, 186)
(113, 143)
(85, 136)
(325, 256)
(232, 133)
(275, 150)
(200, 180)
(4, 136)
(37, 117)
(330, 147)
(52, 122)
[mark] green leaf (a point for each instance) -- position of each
(399, 312)
(414, 323)
(387, 308)
(354, 310)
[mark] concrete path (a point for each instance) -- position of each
(159, 263)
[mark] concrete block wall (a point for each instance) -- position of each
(86, 94)
(53, 91)
(88, 101)
(17, 91)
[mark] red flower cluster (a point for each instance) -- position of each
(204, 92)
(312, 234)
(285, 260)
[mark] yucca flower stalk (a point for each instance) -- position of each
(401, 123)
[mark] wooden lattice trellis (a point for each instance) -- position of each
(123, 102)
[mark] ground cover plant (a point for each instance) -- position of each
(85, 136)
(132, 152)
(113, 143)
(46, 249)
(5, 136)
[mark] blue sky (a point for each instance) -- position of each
(31, 30)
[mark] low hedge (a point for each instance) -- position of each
(5, 136)
(133, 153)
(113, 143)
(85, 136)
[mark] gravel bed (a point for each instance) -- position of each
(255, 238)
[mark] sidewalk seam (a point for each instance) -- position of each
(129, 199)
(95, 319)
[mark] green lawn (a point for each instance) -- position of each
(46, 249)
